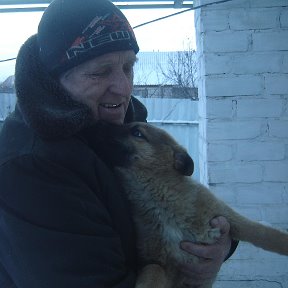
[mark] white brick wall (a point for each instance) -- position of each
(242, 50)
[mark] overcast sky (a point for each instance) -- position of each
(170, 34)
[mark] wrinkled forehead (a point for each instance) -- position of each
(114, 58)
(106, 60)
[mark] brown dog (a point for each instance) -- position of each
(168, 206)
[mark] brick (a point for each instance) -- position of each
(276, 171)
(247, 19)
(285, 193)
(284, 18)
(222, 6)
(277, 84)
(270, 41)
(202, 130)
(233, 130)
(219, 152)
(245, 173)
(247, 284)
(234, 85)
(260, 151)
(251, 63)
(260, 193)
(201, 86)
(256, 269)
(224, 192)
(217, 64)
(249, 252)
(253, 212)
(278, 128)
(259, 108)
(285, 108)
(268, 3)
(284, 64)
(215, 20)
(226, 41)
(219, 109)
(245, 251)
(275, 213)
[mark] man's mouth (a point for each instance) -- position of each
(110, 105)
(113, 112)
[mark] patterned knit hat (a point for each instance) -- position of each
(74, 31)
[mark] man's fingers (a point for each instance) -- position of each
(205, 252)
(221, 223)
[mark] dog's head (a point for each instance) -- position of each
(143, 146)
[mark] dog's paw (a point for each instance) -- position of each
(213, 234)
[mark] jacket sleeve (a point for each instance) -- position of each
(55, 232)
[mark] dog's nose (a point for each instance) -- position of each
(183, 163)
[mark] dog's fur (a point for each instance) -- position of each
(169, 207)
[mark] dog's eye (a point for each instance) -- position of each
(137, 133)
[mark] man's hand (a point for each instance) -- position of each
(211, 256)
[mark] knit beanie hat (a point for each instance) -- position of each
(74, 31)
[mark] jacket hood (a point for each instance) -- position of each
(46, 107)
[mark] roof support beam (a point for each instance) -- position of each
(178, 3)
(40, 5)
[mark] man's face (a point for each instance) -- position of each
(104, 83)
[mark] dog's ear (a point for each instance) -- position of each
(183, 163)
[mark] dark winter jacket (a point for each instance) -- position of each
(63, 219)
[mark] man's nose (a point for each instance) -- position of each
(121, 84)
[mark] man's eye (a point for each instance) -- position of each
(128, 69)
(103, 73)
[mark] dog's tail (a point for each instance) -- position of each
(266, 237)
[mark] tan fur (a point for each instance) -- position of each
(169, 207)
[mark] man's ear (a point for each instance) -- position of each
(183, 163)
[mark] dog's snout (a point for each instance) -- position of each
(183, 163)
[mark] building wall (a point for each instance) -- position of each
(242, 50)
(7, 104)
